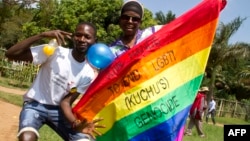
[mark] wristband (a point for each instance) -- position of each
(75, 123)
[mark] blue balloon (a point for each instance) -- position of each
(100, 56)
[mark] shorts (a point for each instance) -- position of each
(34, 115)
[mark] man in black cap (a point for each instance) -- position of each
(130, 21)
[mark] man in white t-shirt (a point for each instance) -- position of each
(211, 110)
(60, 73)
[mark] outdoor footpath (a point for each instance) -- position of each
(8, 121)
(9, 114)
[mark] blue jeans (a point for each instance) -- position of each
(34, 115)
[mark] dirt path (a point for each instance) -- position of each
(9, 115)
(8, 121)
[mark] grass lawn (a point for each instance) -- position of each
(212, 133)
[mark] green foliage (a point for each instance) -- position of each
(162, 19)
(46, 10)
(18, 72)
(225, 61)
(103, 14)
(30, 29)
(64, 15)
(11, 23)
(148, 19)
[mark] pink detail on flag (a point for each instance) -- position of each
(180, 134)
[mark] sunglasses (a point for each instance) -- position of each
(128, 18)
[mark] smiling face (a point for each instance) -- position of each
(130, 22)
(131, 18)
(84, 37)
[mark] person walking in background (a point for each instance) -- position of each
(65, 72)
(196, 112)
(211, 110)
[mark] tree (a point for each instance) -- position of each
(13, 14)
(162, 19)
(239, 82)
(223, 53)
(64, 15)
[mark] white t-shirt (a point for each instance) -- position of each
(212, 105)
(149, 31)
(57, 75)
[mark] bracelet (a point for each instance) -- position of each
(75, 123)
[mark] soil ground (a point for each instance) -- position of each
(9, 117)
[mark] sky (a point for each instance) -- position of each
(233, 9)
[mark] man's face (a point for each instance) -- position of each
(130, 22)
(83, 38)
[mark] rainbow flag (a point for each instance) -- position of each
(146, 93)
